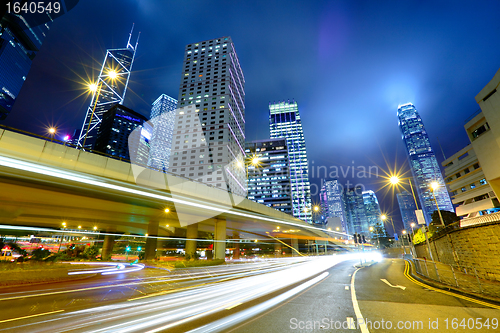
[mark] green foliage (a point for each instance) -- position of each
(91, 252)
(195, 256)
(448, 218)
(40, 254)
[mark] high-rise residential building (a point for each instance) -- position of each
(110, 89)
(162, 121)
(269, 174)
(373, 213)
(356, 220)
(423, 163)
(332, 201)
(19, 44)
(407, 208)
(209, 129)
(114, 134)
(467, 184)
(285, 123)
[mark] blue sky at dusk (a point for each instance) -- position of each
(348, 64)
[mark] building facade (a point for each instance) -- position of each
(407, 208)
(285, 123)
(332, 201)
(209, 128)
(373, 213)
(483, 129)
(423, 163)
(162, 121)
(355, 211)
(19, 44)
(114, 134)
(269, 178)
(469, 189)
(110, 89)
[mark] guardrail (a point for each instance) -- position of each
(462, 277)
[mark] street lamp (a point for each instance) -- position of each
(52, 131)
(434, 186)
(167, 210)
(62, 236)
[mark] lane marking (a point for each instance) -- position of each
(409, 277)
(233, 306)
(357, 311)
(390, 285)
(31, 316)
(346, 287)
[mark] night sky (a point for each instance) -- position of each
(348, 64)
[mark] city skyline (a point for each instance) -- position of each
(159, 66)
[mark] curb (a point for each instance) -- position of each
(449, 288)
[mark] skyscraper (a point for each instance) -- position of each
(332, 201)
(269, 178)
(407, 208)
(162, 120)
(113, 136)
(356, 220)
(209, 131)
(19, 44)
(109, 89)
(422, 161)
(372, 208)
(285, 123)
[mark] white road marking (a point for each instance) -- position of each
(390, 285)
(357, 311)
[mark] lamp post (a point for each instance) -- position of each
(434, 186)
(394, 181)
(62, 236)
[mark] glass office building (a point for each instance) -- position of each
(423, 163)
(162, 121)
(285, 123)
(269, 177)
(332, 201)
(356, 219)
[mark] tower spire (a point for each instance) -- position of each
(130, 36)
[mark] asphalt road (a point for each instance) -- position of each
(312, 295)
(403, 307)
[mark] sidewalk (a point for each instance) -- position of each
(450, 279)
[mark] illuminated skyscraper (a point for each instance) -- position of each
(423, 164)
(407, 208)
(209, 132)
(356, 220)
(162, 120)
(332, 201)
(109, 90)
(19, 44)
(269, 179)
(373, 214)
(285, 123)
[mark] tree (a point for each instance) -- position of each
(448, 218)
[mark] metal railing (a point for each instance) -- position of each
(462, 277)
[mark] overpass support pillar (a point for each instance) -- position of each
(220, 239)
(277, 249)
(107, 247)
(191, 233)
(295, 245)
(151, 242)
(236, 252)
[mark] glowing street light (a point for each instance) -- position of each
(394, 180)
(316, 208)
(167, 210)
(95, 228)
(52, 131)
(112, 74)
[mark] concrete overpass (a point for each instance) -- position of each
(44, 183)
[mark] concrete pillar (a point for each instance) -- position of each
(277, 249)
(220, 239)
(295, 245)
(192, 233)
(107, 247)
(236, 251)
(151, 242)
